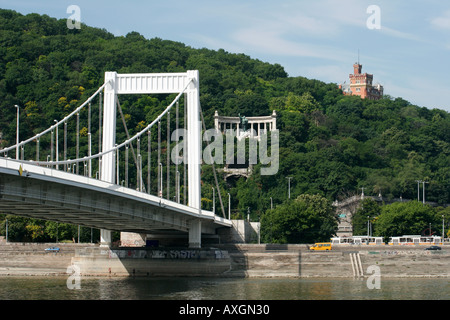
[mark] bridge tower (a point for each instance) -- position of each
(156, 83)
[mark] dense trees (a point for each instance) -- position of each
(34, 230)
(400, 218)
(330, 144)
(307, 219)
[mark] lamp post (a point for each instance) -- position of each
(289, 187)
(423, 184)
(418, 189)
(229, 206)
(17, 133)
(214, 201)
(178, 186)
(443, 236)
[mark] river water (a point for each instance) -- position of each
(56, 288)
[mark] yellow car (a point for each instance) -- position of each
(321, 246)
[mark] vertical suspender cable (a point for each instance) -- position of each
(168, 156)
(159, 161)
(100, 134)
(57, 143)
(65, 144)
(37, 149)
(89, 141)
(117, 167)
(78, 140)
(51, 146)
(177, 174)
(185, 150)
(138, 166)
(126, 165)
(149, 162)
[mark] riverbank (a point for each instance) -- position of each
(31, 259)
(344, 261)
(239, 260)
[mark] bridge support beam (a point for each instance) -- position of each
(195, 234)
(105, 238)
(107, 171)
(194, 141)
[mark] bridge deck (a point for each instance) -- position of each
(50, 194)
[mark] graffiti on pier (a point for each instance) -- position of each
(167, 254)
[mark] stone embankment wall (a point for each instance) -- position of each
(151, 262)
(298, 261)
(238, 260)
(30, 259)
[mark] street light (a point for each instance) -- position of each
(289, 187)
(214, 201)
(17, 133)
(443, 236)
(423, 184)
(418, 189)
(229, 206)
(178, 186)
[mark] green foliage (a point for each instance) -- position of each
(405, 218)
(369, 210)
(307, 219)
(21, 229)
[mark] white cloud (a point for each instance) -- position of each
(289, 29)
(442, 22)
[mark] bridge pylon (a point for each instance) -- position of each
(156, 83)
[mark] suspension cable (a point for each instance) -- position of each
(58, 123)
(128, 141)
(213, 167)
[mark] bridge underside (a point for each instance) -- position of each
(46, 198)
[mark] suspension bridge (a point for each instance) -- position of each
(138, 185)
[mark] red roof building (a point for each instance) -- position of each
(361, 84)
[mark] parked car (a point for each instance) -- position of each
(52, 249)
(433, 248)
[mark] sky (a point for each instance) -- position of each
(404, 44)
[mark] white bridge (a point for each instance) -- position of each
(94, 190)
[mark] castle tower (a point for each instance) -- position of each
(361, 84)
(357, 68)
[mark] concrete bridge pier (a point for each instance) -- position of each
(105, 238)
(195, 234)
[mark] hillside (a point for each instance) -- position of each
(330, 144)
